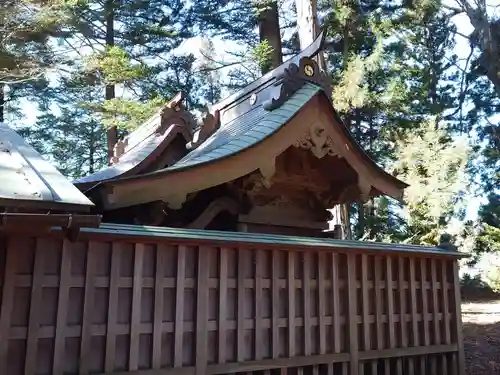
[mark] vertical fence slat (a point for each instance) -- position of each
(35, 302)
(258, 303)
(402, 302)
(275, 304)
(88, 306)
(366, 303)
(378, 302)
(62, 309)
(222, 305)
(413, 299)
(240, 325)
(158, 307)
(446, 312)
(352, 314)
(202, 311)
(390, 303)
(135, 317)
(291, 303)
(8, 290)
(435, 306)
(306, 289)
(377, 280)
(414, 321)
(435, 310)
(425, 302)
(402, 311)
(111, 331)
(446, 305)
(458, 320)
(321, 303)
(179, 305)
(425, 308)
(336, 303)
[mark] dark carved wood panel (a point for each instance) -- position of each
(98, 306)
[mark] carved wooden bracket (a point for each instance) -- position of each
(119, 150)
(318, 141)
(213, 209)
(267, 171)
(210, 124)
(174, 110)
(175, 202)
(364, 188)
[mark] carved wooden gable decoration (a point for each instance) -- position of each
(157, 143)
(274, 152)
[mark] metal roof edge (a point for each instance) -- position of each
(310, 51)
(170, 134)
(161, 172)
(54, 187)
(364, 154)
(258, 238)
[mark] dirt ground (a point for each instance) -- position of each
(481, 322)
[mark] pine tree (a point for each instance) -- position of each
(435, 166)
(255, 26)
(25, 54)
(69, 135)
(124, 38)
(392, 72)
(121, 69)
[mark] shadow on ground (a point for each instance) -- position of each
(481, 331)
(482, 348)
(481, 327)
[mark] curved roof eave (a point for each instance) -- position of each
(363, 153)
(136, 159)
(393, 186)
(180, 167)
(283, 114)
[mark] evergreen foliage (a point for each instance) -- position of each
(99, 68)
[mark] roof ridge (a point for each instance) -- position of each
(310, 51)
(173, 108)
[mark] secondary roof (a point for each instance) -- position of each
(30, 181)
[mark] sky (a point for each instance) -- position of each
(194, 45)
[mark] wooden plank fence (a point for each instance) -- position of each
(108, 305)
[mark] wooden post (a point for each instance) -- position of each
(458, 320)
(353, 314)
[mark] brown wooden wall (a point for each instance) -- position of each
(98, 306)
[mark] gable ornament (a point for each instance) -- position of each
(318, 141)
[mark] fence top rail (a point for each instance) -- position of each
(156, 234)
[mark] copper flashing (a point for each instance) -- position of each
(294, 77)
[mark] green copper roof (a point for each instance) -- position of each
(159, 233)
(246, 130)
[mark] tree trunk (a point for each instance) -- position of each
(486, 37)
(308, 26)
(2, 103)
(269, 29)
(112, 133)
